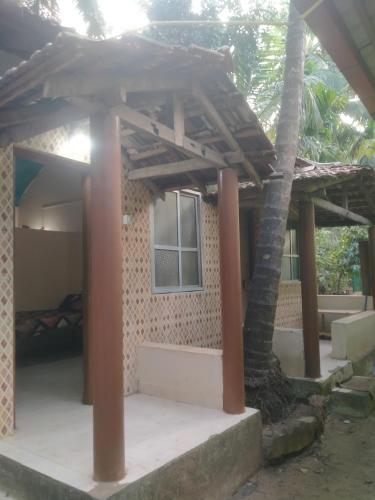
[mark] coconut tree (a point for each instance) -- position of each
(266, 386)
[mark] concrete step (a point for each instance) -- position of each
(355, 398)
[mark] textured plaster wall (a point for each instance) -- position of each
(192, 318)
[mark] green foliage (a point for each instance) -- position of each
(337, 257)
(89, 10)
(259, 54)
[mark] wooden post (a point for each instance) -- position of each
(106, 298)
(371, 255)
(230, 269)
(88, 312)
(309, 289)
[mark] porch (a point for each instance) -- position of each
(52, 446)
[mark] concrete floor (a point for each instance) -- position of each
(54, 430)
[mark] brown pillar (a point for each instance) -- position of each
(309, 289)
(106, 298)
(88, 313)
(230, 269)
(371, 255)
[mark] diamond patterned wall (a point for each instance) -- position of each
(47, 142)
(289, 306)
(192, 318)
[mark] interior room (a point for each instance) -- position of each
(48, 260)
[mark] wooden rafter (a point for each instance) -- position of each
(221, 126)
(347, 214)
(161, 132)
(166, 169)
(150, 184)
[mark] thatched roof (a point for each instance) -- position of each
(75, 76)
(349, 186)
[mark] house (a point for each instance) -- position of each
(159, 269)
(317, 334)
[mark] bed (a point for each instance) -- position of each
(67, 317)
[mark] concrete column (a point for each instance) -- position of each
(88, 313)
(309, 289)
(230, 269)
(106, 298)
(371, 255)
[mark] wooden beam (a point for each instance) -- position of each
(49, 159)
(156, 150)
(166, 169)
(151, 186)
(78, 85)
(221, 126)
(157, 130)
(331, 207)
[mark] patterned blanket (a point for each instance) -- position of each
(67, 315)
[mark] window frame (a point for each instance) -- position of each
(292, 256)
(179, 248)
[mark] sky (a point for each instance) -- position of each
(121, 15)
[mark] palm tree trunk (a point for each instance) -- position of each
(266, 387)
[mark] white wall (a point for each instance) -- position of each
(344, 302)
(47, 267)
(288, 347)
(181, 373)
(52, 187)
(354, 336)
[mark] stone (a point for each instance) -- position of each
(290, 438)
(306, 387)
(351, 403)
(362, 384)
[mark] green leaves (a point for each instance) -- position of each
(337, 257)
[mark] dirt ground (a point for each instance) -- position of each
(339, 467)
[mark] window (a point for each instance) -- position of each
(176, 243)
(290, 263)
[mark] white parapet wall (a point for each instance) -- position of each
(353, 336)
(181, 373)
(288, 347)
(345, 302)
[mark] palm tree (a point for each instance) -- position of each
(266, 386)
(89, 10)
